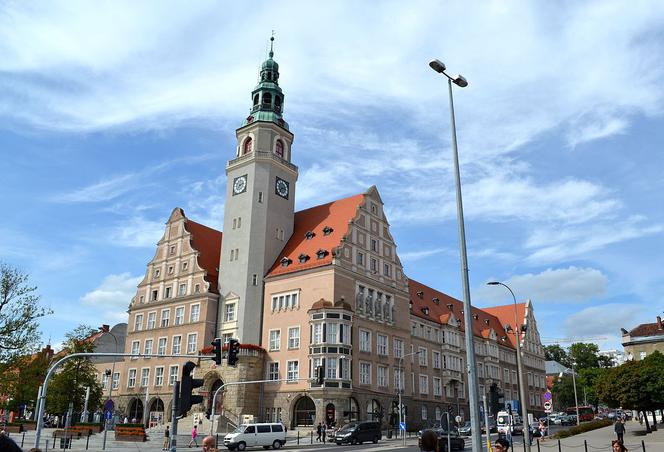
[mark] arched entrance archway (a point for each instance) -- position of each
(135, 411)
(374, 410)
(304, 412)
(330, 414)
(353, 410)
(220, 398)
(156, 412)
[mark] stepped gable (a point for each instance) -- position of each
(207, 242)
(309, 236)
(424, 307)
(505, 315)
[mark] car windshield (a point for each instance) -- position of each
(348, 427)
(240, 429)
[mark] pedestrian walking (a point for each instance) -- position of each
(324, 432)
(618, 446)
(619, 428)
(194, 435)
(167, 443)
(319, 430)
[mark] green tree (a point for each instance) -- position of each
(19, 313)
(69, 384)
(563, 389)
(589, 379)
(556, 353)
(584, 355)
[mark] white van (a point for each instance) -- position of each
(250, 435)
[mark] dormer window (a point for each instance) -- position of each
(486, 321)
(476, 317)
(302, 258)
(450, 306)
(436, 300)
(425, 311)
(327, 230)
(285, 262)
(420, 294)
(309, 235)
(321, 253)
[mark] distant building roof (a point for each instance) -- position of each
(649, 329)
(554, 368)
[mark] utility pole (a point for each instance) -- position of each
(84, 415)
(174, 416)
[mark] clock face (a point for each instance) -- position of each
(239, 185)
(281, 188)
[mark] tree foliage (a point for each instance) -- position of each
(75, 375)
(19, 312)
(557, 353)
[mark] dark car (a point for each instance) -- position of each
(358, 433)
(569, 419)
(465, 429)
(456, 442)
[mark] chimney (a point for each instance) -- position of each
(105, 328)
(659, 323)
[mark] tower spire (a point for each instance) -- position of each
(272, 44)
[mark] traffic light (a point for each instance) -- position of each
(217, 351)
(233, 352)
(187, 385)
(320, 374)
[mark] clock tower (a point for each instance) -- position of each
(259, 209)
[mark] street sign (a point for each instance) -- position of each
(109, 405)
(547, 396)
(109, 415)
(458, 419)
(402, 426)
(548, 406)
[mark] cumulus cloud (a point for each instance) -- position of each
(113, 296)
(137, 232)
(570, 284)
(602, 320)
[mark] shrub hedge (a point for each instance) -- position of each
(585, 427)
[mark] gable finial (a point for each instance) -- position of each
(272, 44)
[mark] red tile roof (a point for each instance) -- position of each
(421, 297)
(505, 315)
(648, 329)
(207, 242)
(335, 215)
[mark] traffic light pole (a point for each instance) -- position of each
(239, 383)
(174, 416)
(41, 403)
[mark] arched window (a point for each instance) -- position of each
(267, 99)
(246, 148)
(277, 103)
(279, 148)
(256, 99)
(269, 75)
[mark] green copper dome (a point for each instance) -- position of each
(267, 97)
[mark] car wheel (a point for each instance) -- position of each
(276, 444)
(338, 443)
(375, 440)
(241, 445)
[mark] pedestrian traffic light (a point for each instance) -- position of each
(187, 385)
(217, 351)
(320, 375)
(233, 352)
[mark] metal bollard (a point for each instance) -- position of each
(23, 439)
(643, 445)
(585, 445)
(538, 446)
(559, 449)
(87, 442)
(53, 443)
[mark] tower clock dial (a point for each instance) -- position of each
(239, 184)
(281, 188)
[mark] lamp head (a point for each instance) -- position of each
(492, 283)
(460, 81)
(437, 66)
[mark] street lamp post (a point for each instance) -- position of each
(402, 381)
(473, 393)
(576, 399)
(519, 368)
(110, 386)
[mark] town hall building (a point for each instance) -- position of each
(322, 286)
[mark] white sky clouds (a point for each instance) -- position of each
(112, 297)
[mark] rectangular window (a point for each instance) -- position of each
(116, 380)
(437, 387)
(172, 375)
(254, 279)
(381, 376)
(275, 340)
(514, 377)
(365, 341)
(374, 245)
(260, 196)
(360, 258)
(185, 265)
(422, 356)
(462, 391)
(152, 320)
(365, 373)
(145, 377)
(293, 370)
(182, 291)
(273, 371)
(398, 348)
(172, 249)
(424, 384)
(168, 292)
(229, 315)
(226, 337)
(194, 313)
(332, 333)
(345, 369)
(161, 346)
(131, 378)
(170, 271)
(135, 349)
(155, 293)
(148, 346)
(138, 322)
(192, 340)
(165, 317)
(179, 315)
(435, 359)
(387, 270)
(177, 345)
(317, 333)
(331, 368)
(381, 344)
(158, 376)
(506, 375)
(398, 379)
(374, 265)
(197, 288)
(294, 337)
(104, 381)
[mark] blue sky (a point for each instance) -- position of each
(114, 113)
